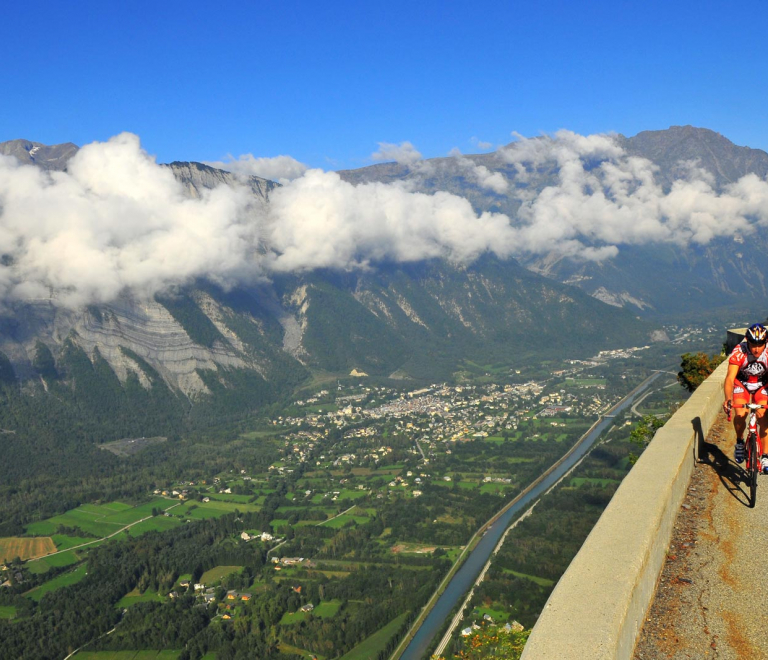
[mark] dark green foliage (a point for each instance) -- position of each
(96, 314)
(695, 368)
(7, 374)
(343, 334)
(544, 544)
(645, 429)
(43, 362)
(189, 316)
(233, 392)
(104, 408)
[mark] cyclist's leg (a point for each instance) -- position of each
(740, 397)
(761, 397)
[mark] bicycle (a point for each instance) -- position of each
(754, 450)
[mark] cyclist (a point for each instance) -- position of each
(746, 379)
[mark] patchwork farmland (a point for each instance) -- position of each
(25, 548)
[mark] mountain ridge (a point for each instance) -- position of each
(418, 320)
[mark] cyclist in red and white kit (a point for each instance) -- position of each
(746, 379)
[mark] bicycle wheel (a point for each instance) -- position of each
(753, 468)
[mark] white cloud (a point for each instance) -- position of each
(480, 174)
(603, 198)
(279, 168)
(118, 221)
(115, 221)
(404, 153)
(480, 144)
(321, 221)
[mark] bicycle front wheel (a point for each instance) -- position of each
(753, 468)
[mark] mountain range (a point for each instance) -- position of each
(420, 320)
(657, 279)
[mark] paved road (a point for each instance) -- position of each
(712, 600)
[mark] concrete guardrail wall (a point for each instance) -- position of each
(598, 606)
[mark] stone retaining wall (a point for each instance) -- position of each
(598, 606)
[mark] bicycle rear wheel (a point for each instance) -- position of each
(753, 468)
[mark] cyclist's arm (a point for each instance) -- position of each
(730, 377)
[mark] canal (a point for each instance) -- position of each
(467, 574)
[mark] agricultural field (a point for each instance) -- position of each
(370, 647)
(218, 573)
(127, 655)
(25, 548)
(327, 609)
(324, 610)
(212, 509)
(498, 615)
(7, 612)
(413, 549)
(290, 618)
(103, 520)
(136, 596)
(155, 524)
(229, 497)
(341, 521)
(496, 488)
(64, 542)
(99, 520)
(542, 582)
(63, 580)
(42, 564)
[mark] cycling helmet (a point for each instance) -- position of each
(757, 334)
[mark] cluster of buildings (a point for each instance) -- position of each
(433, 417)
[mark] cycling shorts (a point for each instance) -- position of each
(741, 395)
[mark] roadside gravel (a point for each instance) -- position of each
(712, 600)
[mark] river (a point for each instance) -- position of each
(467, 574)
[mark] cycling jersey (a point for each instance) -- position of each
(753, 371)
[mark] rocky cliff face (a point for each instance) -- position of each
(197, 177)
(130, 326)
(33, 153)
(144, 328)
(725, 161)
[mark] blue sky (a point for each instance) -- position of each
(326, 82)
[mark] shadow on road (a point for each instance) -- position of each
(731, 475)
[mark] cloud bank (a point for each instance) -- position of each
(404, 153)
(480, 174)
(117, 221)
(279, 168)
(321, 221)
(603, 198)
